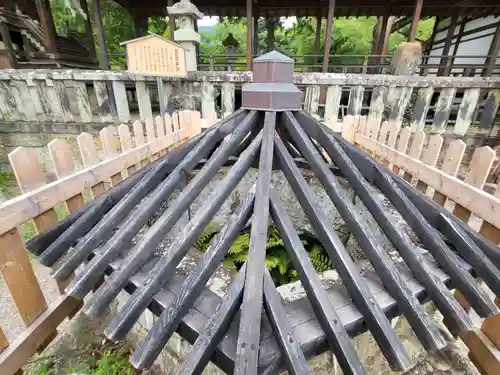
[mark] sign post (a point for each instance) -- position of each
(154, 55)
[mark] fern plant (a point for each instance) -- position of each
(278, 262)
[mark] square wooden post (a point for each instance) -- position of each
(328, 34)
(414, 22)
(47, 23)
(444, 64)
(249, 35)
(103, 49)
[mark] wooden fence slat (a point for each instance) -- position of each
(377, 104)
(150, 130)
(144, 100)
(421, 108)
(404, 138)
(64, 165)
(121, 101)
(490, 231)
(20, 278)
(51, 101)
(35, 98)
(195, 124)
(382, 136)
(18, 102)
(355, 100)
(392, 138)
(90, 158)
(443, 109)
(450, 166)
(26, 344)
(481, 203)
(8, 105)
(208, 102)
(415, 150)
(466, 111)
(478, 171)
(82, 99)
(109, 143)
(26, 102)
(18, 210)
(430, 156)
(103, 105)
(168, 124)
(332, 103)
(489, 113)
(400, 103)
(62, 95)
(176, 126)
(29, 176)
(348, 128)
(139, 133)
(227, 99)
(126, 143)
(160, 129)
(311, 100)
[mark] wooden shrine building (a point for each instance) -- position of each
(29, 36)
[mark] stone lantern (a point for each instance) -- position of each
(187, 14)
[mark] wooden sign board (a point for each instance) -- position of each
(154, 55)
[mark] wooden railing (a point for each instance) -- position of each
(83, 97)
(120, 156)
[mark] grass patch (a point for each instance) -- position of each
(105, 359)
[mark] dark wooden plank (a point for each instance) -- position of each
(192, 286)
(427, 234)
(469, 250)
(247, 351)
(101, 299)
(317, 295)
(376, 320)
(296, 363)
(166, 265)
(215, 328)
(425, 329)
(443, 298)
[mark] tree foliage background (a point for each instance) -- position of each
(351, 36)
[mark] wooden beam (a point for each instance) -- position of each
(47, 23)
(328, 34)
(255, 34)
(9, 47)
(444, 63)
(492, 53)
(317, 40)
(415, 20)
(249, 35)
(271, 24)
(387, 22)
(88, 29)
(104, 61)
(171, 21)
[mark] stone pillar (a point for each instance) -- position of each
(406, 59)
(187, 14)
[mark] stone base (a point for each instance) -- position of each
(406, 59)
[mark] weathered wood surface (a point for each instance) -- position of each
(38, 202)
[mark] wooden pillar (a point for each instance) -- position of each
(317, 40)
(255, 34)
(11, 53)
(88, 29)
(140, 24)
(492, 53)
(328, 34)
(47, 23)
(376, 35)
(249, 35)
(414, 21)
(271, 24)
(445, 62)
(171, 20)
(387, 22)
(103, 49)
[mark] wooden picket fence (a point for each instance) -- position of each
(123, 154)
(404, 152)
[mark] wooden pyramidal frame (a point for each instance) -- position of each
(235, 335)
